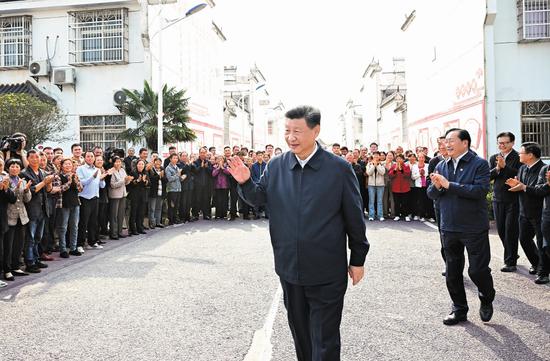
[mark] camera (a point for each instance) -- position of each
(11, 144)
(110, 153)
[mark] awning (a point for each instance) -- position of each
(26, 88)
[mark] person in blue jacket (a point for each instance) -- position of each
(315, 210)
(460, 184)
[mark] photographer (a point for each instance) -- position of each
(14, 147)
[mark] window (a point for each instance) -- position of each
(535, 124)
(102, 130)
(533, 19)
(15, 41)
(98, 37)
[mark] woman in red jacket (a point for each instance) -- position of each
(400, 174)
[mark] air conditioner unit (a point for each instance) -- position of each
(39, 68)
(119, 97)
(62, 76)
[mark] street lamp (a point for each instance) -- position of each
(164, 25)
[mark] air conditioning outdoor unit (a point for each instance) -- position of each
(63, 76)
(39, 68)
(119, 97)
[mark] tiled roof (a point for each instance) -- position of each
(26, 88)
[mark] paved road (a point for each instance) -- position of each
(201, 291)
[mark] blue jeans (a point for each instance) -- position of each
(35, 229)
(67, 218)
(378, 193)
(155, 211)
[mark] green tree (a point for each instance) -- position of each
(142, 108)
(40, 121)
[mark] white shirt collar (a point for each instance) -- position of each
(532, 165)
(304, 162)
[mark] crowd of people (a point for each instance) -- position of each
(54, 202)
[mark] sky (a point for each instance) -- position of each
(312, 52)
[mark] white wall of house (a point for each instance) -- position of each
(191, 60)
(445, 71)
(521, 71)
(95, 85)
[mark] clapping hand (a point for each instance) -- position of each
(439, 181)
(501, 163)
(239, 170)
(515, 185)
(5, 183)
(28, 186)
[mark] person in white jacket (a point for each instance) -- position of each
(419, 175)
(375, 186)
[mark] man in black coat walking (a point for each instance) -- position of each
(314, 205)
(203, 186)
(505, 165)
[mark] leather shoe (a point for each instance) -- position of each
(533, 271)
(454, 318)
(508, 268)
(541, 280)
(486, 311)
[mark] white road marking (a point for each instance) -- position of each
(433, 226)
(261, 348)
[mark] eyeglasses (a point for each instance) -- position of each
(503, 143)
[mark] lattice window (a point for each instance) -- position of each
(15, 41)
(533, 19)
(98, 37)
(102, 130)
(535, 124)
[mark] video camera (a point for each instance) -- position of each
(11, 144)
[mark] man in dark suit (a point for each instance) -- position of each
(314, 202)
(530, 207)
(505, 165)
(203, 186)
(461, 184)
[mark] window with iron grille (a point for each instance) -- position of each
(533, 19)
(102, 130)
(535, 124)
(15, 41)
(98, 37)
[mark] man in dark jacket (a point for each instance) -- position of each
(505, 165)
(203, 186)
(314, 202)
(530, 208)
(461, 184)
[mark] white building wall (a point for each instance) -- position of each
(522, 71)
(95, 85)
(445, 71)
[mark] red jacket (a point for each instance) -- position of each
(401, 179)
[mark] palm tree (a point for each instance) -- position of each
(142, 107)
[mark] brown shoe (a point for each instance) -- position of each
(45, 257)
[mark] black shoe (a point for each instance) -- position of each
(8, 276)
(33, 269)
(533, 271)
(101, 242)
(142, 232)
(444, 274)
(508, 268)
(206, 218)
(122, 236)
(486, 312)
(18, 273)
(41, 265)
(64, 255)
(134, 234)
(75, 253)
(542, 280)
(454, 318)
(232, 217)
(159, 225)
(113, 238)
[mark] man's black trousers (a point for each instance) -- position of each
(479, 256)
(530, 228)
(506, 216)
(314, 316)
(87, 224)
(203, 198)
